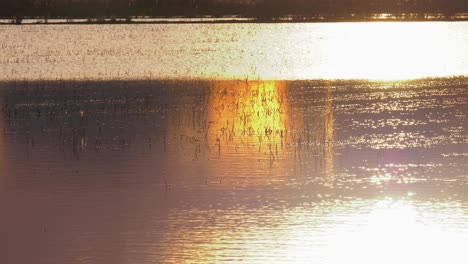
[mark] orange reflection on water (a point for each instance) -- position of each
(248, 133)
(241, 124)
(248, 124)
(246, 114)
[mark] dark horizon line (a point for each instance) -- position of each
(412, 17)
(259, 9)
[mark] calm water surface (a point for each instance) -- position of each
(98, 168)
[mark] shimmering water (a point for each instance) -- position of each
(229, 171)
(110, 152)
(235, 51)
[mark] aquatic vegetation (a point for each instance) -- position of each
(129, 146)
(388, 51)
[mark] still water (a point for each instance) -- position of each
(249, 163)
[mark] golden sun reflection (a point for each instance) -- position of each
(242, 124)
(248, 124)
(249, 114)
(256, 127)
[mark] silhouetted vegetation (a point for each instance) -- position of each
(264, 10)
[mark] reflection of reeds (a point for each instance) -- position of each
(248, 114)
(262, 122)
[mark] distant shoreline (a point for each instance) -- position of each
(212, 20)
(455, 80)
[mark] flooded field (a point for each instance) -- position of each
(229, 171)
(311, 51)
(230, 143)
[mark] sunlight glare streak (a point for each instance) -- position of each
(395, 232)
(388, 51)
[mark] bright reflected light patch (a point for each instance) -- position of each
(395, 232)
(270, 51)
(330, 232)
(391, 51)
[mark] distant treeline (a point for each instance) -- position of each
(260, 9)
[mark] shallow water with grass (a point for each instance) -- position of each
(189, 167)
(272, 51)
(221, 171)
